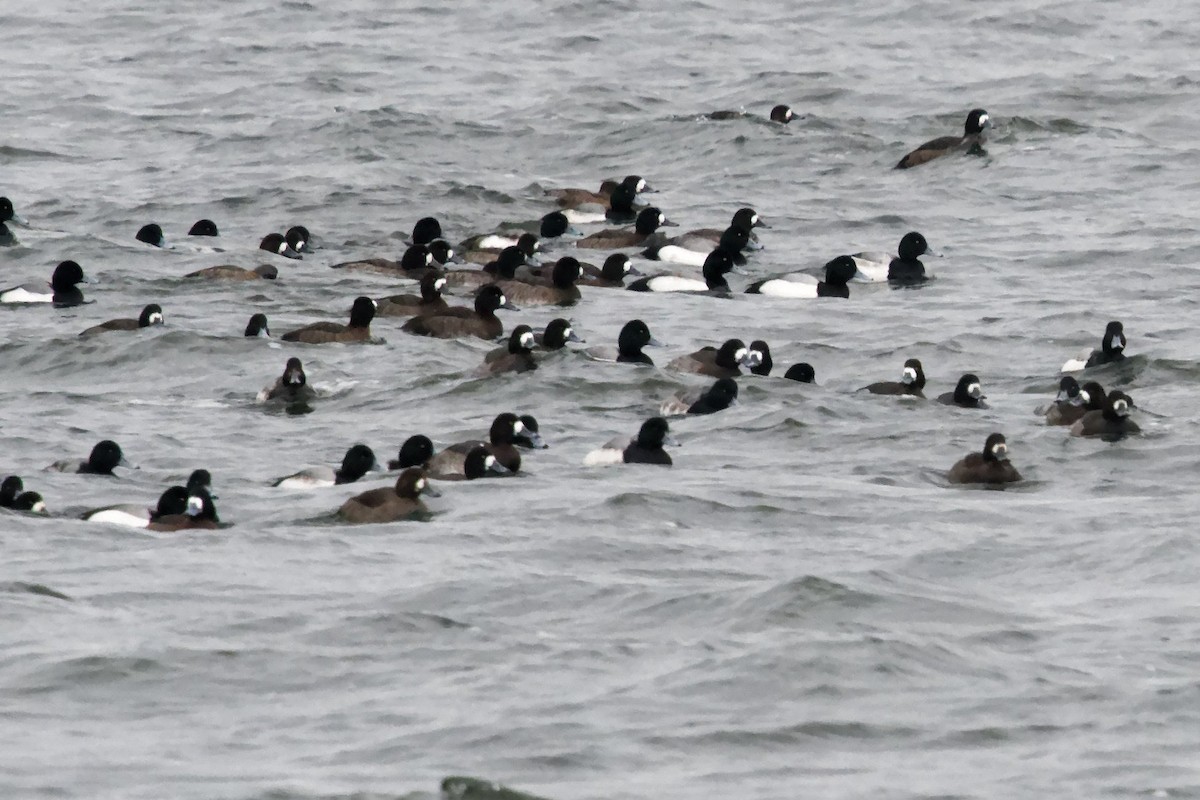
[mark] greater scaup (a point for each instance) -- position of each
(838, 273)
(972, 141)
(517, 355)
(426, 230)
(104, 458)
(417, 451)
(230, 272)
(152, 235)
(503, 267)
(9, 489)
(414, 262)
(481, 321)
(723, 362)
(64, 290)
(277, 244)
(200, 514)
(203, 227)
(429, 301)
(7, 238)
(745, 218)
(257, 327)
(634, 335)
(1112, 422)
(1112, 348)
(1069, 405)
(530, 436)
(904, 266)
(30, 502)
(645, 448)
(292, 386)
(694, 251)
(758, 358)
(911, 382)
(151, 315)
(968, 393)
(391, 504)
(558, 332)
(174, 500)
(573, 198)
(358, 461)
(611, 275)
(505, 427)
(299, 239)
(528, 243)
(9, 214)
(359, 329)
(718, 397)
(560, 291)
(717, 265)
(801, 372)
(648, 221)
(989, 466)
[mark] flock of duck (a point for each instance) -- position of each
(503, 270)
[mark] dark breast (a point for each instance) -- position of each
(636, 454)
(974, 469)
(327, 332)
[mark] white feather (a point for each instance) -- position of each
(132, 517)
(1078, 362)
(676, 283)
(872, 267)
(23, 295)
(674, 254)
(495, 242)
(312, 478)
(604, 457)
(586, 214)
(796, 287)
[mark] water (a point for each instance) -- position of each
(801, 606)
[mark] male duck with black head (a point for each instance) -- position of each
(64, 288)
(504, 267)
(905, 267)
(104, 458)
(358, 461)
(559, 291)
(717, 265)
(505, 428)
(723, 362)
(911, 383)
(1112, 348)
(200, 514)
(799, 286)
(573, 198)
(990, 466)
(481, 321)
(645, 448)
(634, 335)
(648, 221)
(968, 393)
(972, 141)
(398, 502)
(359, 329)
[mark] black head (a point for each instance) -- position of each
(504, 427)
(358, 461)
(654, 433)
(782, 113)
(731, 354)
(553, 225)
(802, 372)
(968, 389)
(66, 275)
(481, 464)
(172, 501)
(275, 243)
(758, 358)
(716, 266)
(637, 184)
(529, 245)
(298, 239)
(633, 337)
(362, 312)
(257, 326)
(1118, 406)
(417, 256)
(913, 374)
(621, 200)
(651, 219)
(529, 436)
(293, 373)
(1114, 338)
(912, 246)
(204, 227)
(521, 340)
(1095, 398)
(566, 272)
(7, 212)
(12, 486)
(977, 121)
(105, 457)
(722, 393)
(432, 283)
(1068, 390)
(557, 334)
(734, 239)
(995, 448)
(491, 298)
(426, 230)
(415, 452)
(441, 251)
(151, 315)
(747, 218)
(840, 271)
(29, 501)
(507, 262)
(616, 267)
(200, 479)
(151, 234)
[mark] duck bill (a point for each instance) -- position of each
(666, 223)
(17, 219)
(655, 343)
(496, 468)
(430, 491)
(536, 440)
(507, 305)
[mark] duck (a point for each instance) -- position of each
(299, 239)
(257, 327)
(838, 273)
(618, 209)
(517, 356)
(551, 226)
(905, 266)
(389, 505)
(443, 253)
(359, 329)
(573, 198)
(173, 501)
(505, 427)
(417, 451)
(358, 461)
(722, 362)
(7, 237)
(430, 301)
(718, 397)
(968, 393)
(10, 489)
(203, 227)
(478, 463)
(557, 334)
(277, 244)
(560, 291)
(414, 262)
(30, 502)
(634, 335)
(989, 466)
(528, 243)
(152, 235)
(1112, 422)
(292, 386)
(780, 113)
(745, 218)
(530, 436)
(911, 383)
(451, 323)
(1069, 405)
(9, 214)
(504, 267)
(64, 291)
(1112, 348)
(230, 272)
(200, 514)
(104, 458)
(801, 372)
(645, 448)
(610, 275)
(972, 141)
(694, 251)
(758, 358)
(425, 231)
(717, 265)
(151, 315)
(648, 221)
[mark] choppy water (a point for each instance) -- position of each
(801, 607)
